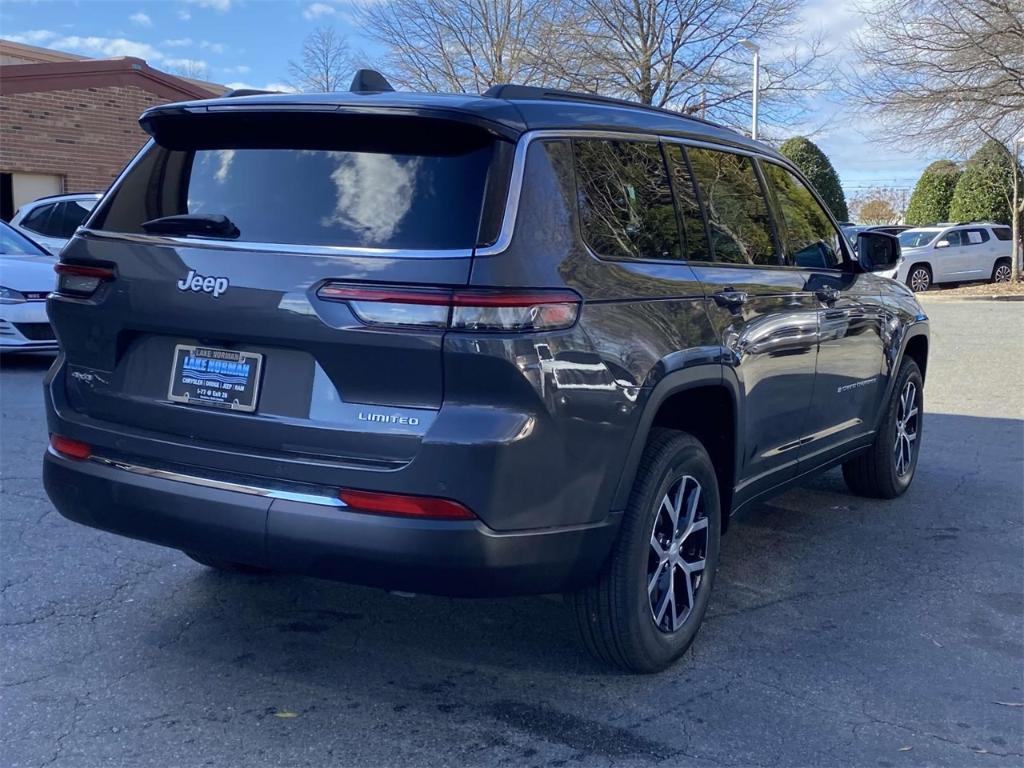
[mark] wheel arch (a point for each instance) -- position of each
(703, 401)
(916, 348)
(915, 345)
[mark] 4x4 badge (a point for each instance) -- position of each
(197, 283)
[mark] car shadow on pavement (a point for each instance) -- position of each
(805, 548)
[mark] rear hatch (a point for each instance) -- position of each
(207, 326)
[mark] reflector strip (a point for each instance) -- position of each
(73, 449)
(404, 506)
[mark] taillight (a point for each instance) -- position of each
(405, 506)
(79, 279)
(73, 449)
(463, 309)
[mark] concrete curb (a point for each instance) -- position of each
(994, 297)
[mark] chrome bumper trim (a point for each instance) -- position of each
(221, 485)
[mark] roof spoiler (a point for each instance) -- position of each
(369, 81)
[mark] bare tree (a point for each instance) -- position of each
(325, 64)
(879, 205)
(462, 46)
(191, 68)
(682, 54)
(686, 54)
(946, 73)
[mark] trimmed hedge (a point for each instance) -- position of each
(929, 203)
(815, 165)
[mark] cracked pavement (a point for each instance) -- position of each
(842, 632)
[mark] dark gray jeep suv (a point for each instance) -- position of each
(523, 342)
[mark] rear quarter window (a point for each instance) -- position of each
(625, 200)
(1001, 233)
(348, 183)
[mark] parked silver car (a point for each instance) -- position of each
(954, 254)
(51, 221)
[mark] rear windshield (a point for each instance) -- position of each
(327, 180)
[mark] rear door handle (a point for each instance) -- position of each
(730, 299)
(828, 295)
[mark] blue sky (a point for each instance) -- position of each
(249, 43)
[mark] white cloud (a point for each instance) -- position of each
(141, 19)
(283, 87)
(184, 15)
(316, 10)
(187, 65)
(109, 47)
(33, 36)
(188, 42)
(241, 69)
(217, 5)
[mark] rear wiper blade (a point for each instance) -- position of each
(211, 224)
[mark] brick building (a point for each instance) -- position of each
(70, 123)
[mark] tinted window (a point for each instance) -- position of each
(695, 239)
(39, 220)
(395, 183)
(954, 238)
(70, 215)
(736, 208)
(808, 237)
(625, 200)
(1001, 233)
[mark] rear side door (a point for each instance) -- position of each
(849, 381)
(766, 316)
(977, 255)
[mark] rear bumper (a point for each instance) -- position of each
(308, 534)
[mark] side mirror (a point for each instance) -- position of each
(877, 251)
(942, 244)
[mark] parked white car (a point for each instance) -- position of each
(26, 279)
(954, 254)
(51, 221)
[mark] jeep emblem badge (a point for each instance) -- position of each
(197, 283)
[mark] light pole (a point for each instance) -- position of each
(755, 49)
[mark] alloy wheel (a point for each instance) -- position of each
(1002, 274)
(920, 280)
(677, 556)
(906, 429)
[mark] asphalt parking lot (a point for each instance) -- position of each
(842, 631)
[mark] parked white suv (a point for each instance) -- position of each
(955, 254)
(51, 221)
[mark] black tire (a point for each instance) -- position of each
(876, 472)
(616, 616)
(921, 276)
(1002, 271)
(226, 565)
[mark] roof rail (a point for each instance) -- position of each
(369, 81)
(236, 92)
(513, 92)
